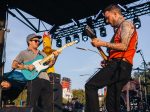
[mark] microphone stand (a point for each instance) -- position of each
(145, 81)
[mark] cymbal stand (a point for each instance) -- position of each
(145, 81)
(141, 94)
(139, 80)
(128, 97)
(140, 91)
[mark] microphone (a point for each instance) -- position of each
(4, 29)
(81, 48)
(138, 51)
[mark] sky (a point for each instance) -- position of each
(78, 65)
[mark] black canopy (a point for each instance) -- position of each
(60, 12)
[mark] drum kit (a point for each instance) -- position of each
(134, 96)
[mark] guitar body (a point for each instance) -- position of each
(30, 75)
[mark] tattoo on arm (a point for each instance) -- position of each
(127, 30)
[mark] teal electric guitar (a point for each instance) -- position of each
(40, 63)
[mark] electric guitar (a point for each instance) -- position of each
(39, 63)
(92, 35)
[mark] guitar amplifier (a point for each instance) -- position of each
(54, 78)
(16, 109)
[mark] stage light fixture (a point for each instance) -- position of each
(84, 37)
(103, 32)
(68, 39)
(58, 42)
(137, 22)
(76, 38)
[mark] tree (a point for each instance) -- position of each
(80, 94)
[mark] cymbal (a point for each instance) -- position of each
(138, 69)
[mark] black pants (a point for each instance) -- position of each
(115, 75)
(39, 95)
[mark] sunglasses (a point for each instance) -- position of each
(35, 40)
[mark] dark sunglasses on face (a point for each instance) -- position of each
(35, 40)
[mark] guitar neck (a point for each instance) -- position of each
(47, 58)
(102, 53)
(92, 35)
(51, 56)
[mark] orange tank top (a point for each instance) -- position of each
(130, 52)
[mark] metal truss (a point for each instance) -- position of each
(27, 21)
(72, 28)
(138, 10)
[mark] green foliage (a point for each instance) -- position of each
(80, 94)
(65, 101)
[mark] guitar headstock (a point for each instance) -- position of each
(89, 32)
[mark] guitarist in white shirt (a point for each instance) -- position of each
(40, 86)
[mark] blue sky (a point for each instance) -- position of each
(73, 62)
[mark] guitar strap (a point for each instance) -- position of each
(40, 54)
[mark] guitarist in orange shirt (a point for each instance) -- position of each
(117, 72)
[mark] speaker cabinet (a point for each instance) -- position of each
(56, 90)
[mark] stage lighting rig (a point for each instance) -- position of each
(89, 22)
(76, 22)
(53, 29)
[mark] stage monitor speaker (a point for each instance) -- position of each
(16, 109)
(56, 89)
